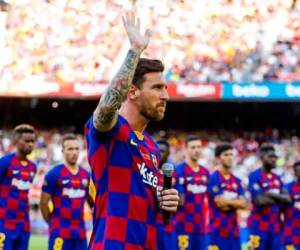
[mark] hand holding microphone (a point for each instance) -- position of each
(168, 198)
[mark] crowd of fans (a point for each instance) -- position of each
(200, 41)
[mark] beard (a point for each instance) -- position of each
(152, 115)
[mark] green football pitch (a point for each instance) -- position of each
(38, 242)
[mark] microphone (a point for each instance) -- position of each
(167, 169)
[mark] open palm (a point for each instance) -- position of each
(132, 25)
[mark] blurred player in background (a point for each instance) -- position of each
(226, 197)
(123, 157)
(66, 186)
(267, 198)
(291, 227)
(166, 233)
(192, 216)
(16, 176)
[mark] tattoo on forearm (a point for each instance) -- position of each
(112, 99)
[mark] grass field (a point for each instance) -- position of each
(38, 242)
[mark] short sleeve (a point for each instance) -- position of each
(50, 181)
(179, 180)
(254, 186)
(4, 164)
(240, 188)
(214, 188)
(91, 132)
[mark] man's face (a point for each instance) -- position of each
(25, 143)
(226, 159)
(193, 149)
(153, 97)
(71, 151)
(297, 172)
(269, 159)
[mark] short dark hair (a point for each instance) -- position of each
(145, 66)
(265, 148)
(296, 164)
(163, 142)
(222, 148)
(192, 138)
(68, 137)
(23, 128)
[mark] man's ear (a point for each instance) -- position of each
(133, 93)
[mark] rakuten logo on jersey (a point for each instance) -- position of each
(73, 193)
(230, 195)
(148, 176)
(20, 184)
(196, 189)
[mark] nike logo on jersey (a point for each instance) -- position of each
(64, 182)
(20, 184)
(132, 142)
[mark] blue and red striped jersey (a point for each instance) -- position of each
(291, 229)
(264, 218)
(15, 180)
(68, 192)
(224, 223)
(192, 216)
(125, 175)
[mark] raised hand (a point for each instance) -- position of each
(132, 25)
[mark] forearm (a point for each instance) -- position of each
(264, 200)
(238, 203)
(45, 212)
(281, 198)
(106, 112)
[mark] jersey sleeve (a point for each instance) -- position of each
(214, 188)
(179, 180)
(50, 181)
(254, 186)
(4, 164)
(241, 191)
(92, 133)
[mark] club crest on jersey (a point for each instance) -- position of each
(85, 182)
(148, 176)
(256, 186)
(204, 178)
(215, 189)
(15, 171)
(154, 160)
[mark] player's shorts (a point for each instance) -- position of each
(58, 243)
(166, 240)
(14, 240)
(221, 243)
(290, 247)
(191, 241)
(263, 240)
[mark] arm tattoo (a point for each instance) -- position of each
(112, 99)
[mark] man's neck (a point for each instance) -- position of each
(136, 121)
(193, 164)
(21, 156)
(73, 168)
(225, 171)
(267, 169)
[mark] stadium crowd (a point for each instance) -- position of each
(200, 41)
